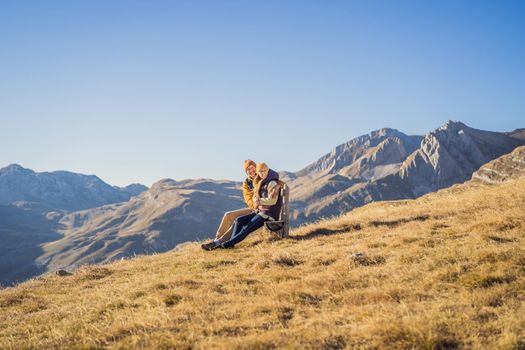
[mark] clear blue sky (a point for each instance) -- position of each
(136, 91)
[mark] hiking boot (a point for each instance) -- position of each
(210, 246)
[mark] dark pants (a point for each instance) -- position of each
(242, 227)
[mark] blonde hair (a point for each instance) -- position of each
(257, 182)
(262, 166)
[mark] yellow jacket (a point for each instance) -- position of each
(247, 192)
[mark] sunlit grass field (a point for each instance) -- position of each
(445, 271)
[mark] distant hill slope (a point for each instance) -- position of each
(170, 213)
(23, 228)
(506, 168)
(60, 190)
(387, 164)
(444, 271)
(518, 133)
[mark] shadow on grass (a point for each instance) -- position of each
(326, 232)
(394, 223)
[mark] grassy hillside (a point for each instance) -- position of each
(444, 271)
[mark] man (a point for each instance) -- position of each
(267, 206)
(225, 228)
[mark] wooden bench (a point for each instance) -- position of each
(281, 227)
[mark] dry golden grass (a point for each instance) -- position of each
(445, 271)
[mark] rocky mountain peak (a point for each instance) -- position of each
(451, 153)
(163, 185)
(452, 124)
(345, 154)
(15, 168)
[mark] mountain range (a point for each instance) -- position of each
(61, 190)
(387, 164)
(63, 220)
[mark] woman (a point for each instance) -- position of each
(267, 206)
(225, 229)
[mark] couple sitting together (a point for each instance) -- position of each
(261, 192)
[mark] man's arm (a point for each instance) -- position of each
(247, 193)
